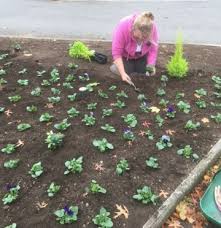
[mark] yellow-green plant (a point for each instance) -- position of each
(178, 66)
(79, 50)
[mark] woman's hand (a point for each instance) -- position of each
(150, 70)
(125, 77)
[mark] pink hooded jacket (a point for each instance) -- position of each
(124, 45)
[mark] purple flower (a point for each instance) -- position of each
(127, 130)
(165, 138)
(68, 211)
(170, 109)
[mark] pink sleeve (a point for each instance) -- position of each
(118, 41)
(152, 55)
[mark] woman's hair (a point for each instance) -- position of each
(143, 22)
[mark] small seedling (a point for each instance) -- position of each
(45, 83)
(89, 120)
(63, 125)
(72, 66)
(152, 162)
(161, 92)
(31, 108)
(54, 140)
(119, 104)
(144, 107)
(107, 112)
(36, 170)
(179, 95)
(23, 82)
(163, 102)
(92, 106)
(159, 120)
(55, 91)
(102, 144)
(184, 106)
(149, 135)
(53, 189)
(121, 94)
(72, 112)
(54, 100)
(145, 195)
(122, 167)
(72, 97)
(11, 164)
(112, 88)
(70, 78)
(130, 120)
(191, 126)
(67, 85)
(216, 118)
(141, 97)
(36, 92)
(74, 165)
(54, 75)
(102, 94)
(187, 152)
(102, 220)
(201, 104)
(23, 127)
(46, 117)
(40, 73)
(108, 127)
(9, 149)
(15, 98)
(164, 142)
(23, 71)
(12, 194)
(201, 92)
(128, 135)
(96, 188)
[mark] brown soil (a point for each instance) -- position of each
(204, 62)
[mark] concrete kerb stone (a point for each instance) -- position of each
(162, 214)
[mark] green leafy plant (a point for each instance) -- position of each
(36, 170)
(54, 140)
(23, 82)
(74, 165)
(96, 188)
(70, 78)
(122, 167)
(45, 83)
(54, 100)
(149, 135)
(119, 104)
(36, 92)
(55, 91)
(23, 71)
(72, 97)
(102, 220)
(201, 92)
(79, 50)
(63, 125)
(73, 112)
(3, 56)
(54, 75)
(2, 109)
(46, 117)
(216, 79)
(179, 95)
(89, 120)
(53, 189)
(217, 94)
(3, 81)
(216, 105)
(144, 107)
(15, 98)
(141, 97)
(122, 94)
(171, 112)
(102, 144)
(161, 92)
(128, 135)
(108, 127)
(72, 66)
(67, 85)
(67, 215)
(178, 66)
(102, 94)
(12, 194)
(216, 118)
(201, 104)
(145, 195)
(152, 162)
(112, 87)
(187, 152)
(164, 142)
(107, 112)
(31, 108)
(2, 72)
(13, 225)
(163, 102)
(164, 78)
(130, 120)
(40, 73)
(159, 120)
(184, 106)
(9, 148)
(192, 126)
(92, 106)
(23, 127)
(84, 77)
(11, 164)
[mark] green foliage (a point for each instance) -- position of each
(3, 56)
(187, 152)
(92, 106)
(216, 118)
(55, 91)
(79, 50)
(63, 125)
(145, 195)
(149, 135)
(107, 112)
(178, 66)
(36, 170)
(72, 66)
(9, 148)
(40, 73)
(191, 126)
(45, 83)
(159, 120)
(23, 127)
(201, 104)
(141, 97)
(72, 97)
(46, 117)
(12, 195)
(73, 112)
(54, 75)
(108, 127)
(164, 142)
(201, 92)
(184, 106)
(54, 100)
(31, 108)
(23, 71)
(122, 167)
(67, 85)
(74, 165)
(2, 109)
(11, 164)
(23, 82)
(13, 225)
(53, 189)
(161, 92)
(15, 98)
(163, 102)
(102, 144)
(102, 220)
(96, 188)
(67, 215)
(130, 120)
(36, 92)
(164, 78)
(144, 107)
(102, 94)
(112, 88)
(179, 95)
(70, 78)
(122, 94)
(89, 120)
(119, 104)
(128, 135)
(152, 162)
(54, 140)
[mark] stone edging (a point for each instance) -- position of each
(162, 214)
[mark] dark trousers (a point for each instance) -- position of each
(135, 65)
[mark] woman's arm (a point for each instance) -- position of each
(120, 66)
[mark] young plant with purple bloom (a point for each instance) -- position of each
(128, 135)
(67, 215)
(164, 142)
(12, 194)
(171, 112)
